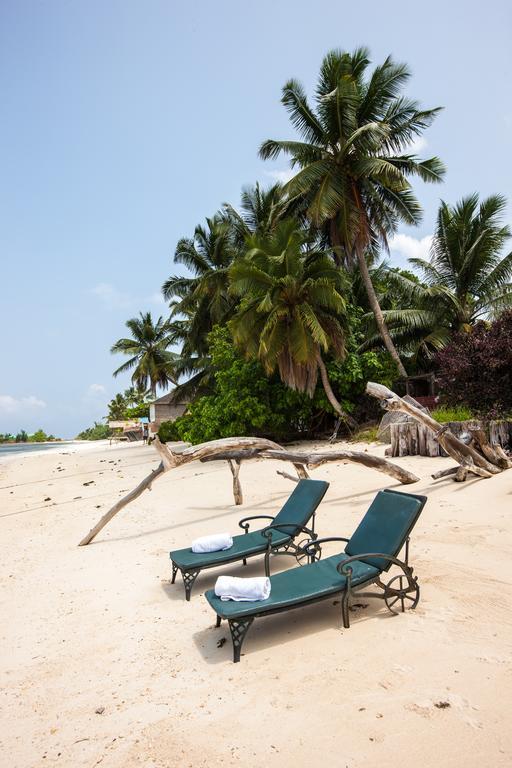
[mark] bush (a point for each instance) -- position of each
(475, 369)
(168, 432)
(97, 432)
(444, 413)
(246, 402)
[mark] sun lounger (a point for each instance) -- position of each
(370, 552)
(278, 536)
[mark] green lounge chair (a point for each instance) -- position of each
(372, 550)
(279, 536)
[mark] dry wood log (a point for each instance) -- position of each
(503, 456)
(239, 448)
(287, 475)
(314, 460)
(145, 484)
(444, 473)
(237, 488)
(489, 451)
(461, 473)
(170, 460)
(464, 455)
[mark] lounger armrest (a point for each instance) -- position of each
(293, 528)
(321, 541)
(245, 521)
(344, 566)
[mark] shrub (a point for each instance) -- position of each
(475, 369)
(98, 432)
(444, 413)
(245, 401)
(168, 432)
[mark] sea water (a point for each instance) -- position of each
(10, 449)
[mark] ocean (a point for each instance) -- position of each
(10, 449)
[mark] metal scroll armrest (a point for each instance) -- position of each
(244, 522)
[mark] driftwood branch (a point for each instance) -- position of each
(145, 484)
(234, 466)
(234, 450)
(475, 455)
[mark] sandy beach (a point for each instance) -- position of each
(104, 663)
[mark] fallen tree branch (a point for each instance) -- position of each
(236, 449)
(468, 457)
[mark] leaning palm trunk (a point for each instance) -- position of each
(377, 312)
(351, 423)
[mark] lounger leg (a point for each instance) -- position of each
(244, 561)
(345, 613)
(239, 629)
(174, 572)
(189, 578)
(217, 623)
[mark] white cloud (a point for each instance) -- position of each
(417, 145)
(96, 388)
(10, 404)
(405, 247)
(111, 297)
(158, 299)
(281, 176)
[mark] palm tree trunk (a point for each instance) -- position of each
(352, 423)
(377, 312)
(336, 244)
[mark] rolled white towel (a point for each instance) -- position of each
(242, 590)
(214, 543)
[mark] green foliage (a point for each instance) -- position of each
(132, 404)
(368, 435)
(292, 306)
(98, 432)
(245, 401)
(150, 360)
(22, 436)
(40, 436)
(6, 438)
(445, 413)
(137, 411)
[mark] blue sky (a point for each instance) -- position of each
(124, 124)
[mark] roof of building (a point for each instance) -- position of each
(168, 399)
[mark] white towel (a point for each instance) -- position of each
(242, 590)
(214, 543)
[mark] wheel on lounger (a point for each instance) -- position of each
(302, 557)
(401, 592)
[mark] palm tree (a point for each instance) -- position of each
(466, 279)
(150, 359)
(355, 160)
(260, 212)
(203, 298)
(291, 309)
(470, 276)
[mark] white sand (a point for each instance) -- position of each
(100, 626)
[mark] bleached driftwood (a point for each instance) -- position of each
(478, 456)
(236, 449)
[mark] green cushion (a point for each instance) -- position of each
(245, 545)
(297, 510)
(296, 586)
(385, 526)
(302, 503)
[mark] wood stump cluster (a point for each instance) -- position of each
(474, 451)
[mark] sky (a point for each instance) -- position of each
(124, 124)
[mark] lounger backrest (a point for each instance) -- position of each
(386, 526)
(302, 503)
